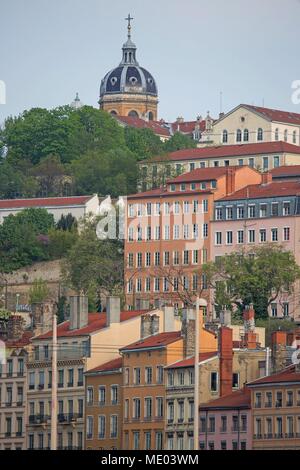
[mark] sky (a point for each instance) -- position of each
(195, 49)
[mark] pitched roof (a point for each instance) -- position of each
(205, 174)
(44, 202)
(276, 114)
(187, 127)
(96, 321)
(190, 361)
(288, 375)
(274, 189)
(165, 192)
(238, 399)
(156, 341)
(155, 126)
(25, 340)
(238, 150)
(112, 365)
(286, 171)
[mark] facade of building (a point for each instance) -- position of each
(169, 234)
(225, 423)
(103, 408)
(144, 389)
(263, 156)
(78, 206)
(84, 342)
(275, 402)
(129, 90)
(255, 216)
(246, 123)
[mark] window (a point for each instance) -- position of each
(193, 186)
(229, 238)
(276, 133)
(251, 236)
(195, 257)
(139, 284)
(229, 213)
(90, 396)
(167, 208)
(157, 232)
(114, 394)
(149, 208)
(223, 445)
(239, 135)
(101, 427)
(159, 374)
(244, 423)
(240, 212)
(89, 427)
(130, 260)
(159, 407)
(263, 210)
(148, 259)
(148, 375)
(195, 282)
(157, 258)
(218, 213)
(262, 235)
(290, 398)
(147, 440)
(136, 408)
(276, 161)
(101, 395)
(223, 423)
(130, 234)
(235, 380)
(31, 380)
(148, 407)
(158, 440)
(225, 136)
(251, 211)
(274, 209)
(139, 260)
(251, 162)
(214, 381)
(235, 423)
(186, 257)
(240, 162)
(70, 377)
(286, 208)
(205, 205)
(285, 309)
(167, 232)
(185, 231)
(260, 134)
(246, 135)
(113, 426)
(213, 184)
(278, 399)
(212, 424)
(274, 309)
(279, 427)
(216, 164)
(286, 234)
(265, 163)
(285, 135)
(268, 403)
(176, 258)
(274, 235)
(20, 370)
(240, 236)
(218, 238)
(170, 378)
(136, 440)
(156, 284)
(137, 375)
(148, 232)
(294, 137)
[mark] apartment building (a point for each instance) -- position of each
(225, 423)
(275, 402)
(169, 235)
(13, 383)
(263, 156)
(84, 341)
(222, 370)
(256, 215)
(103, 408)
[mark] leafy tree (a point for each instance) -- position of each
(39, 219)
(66, 222)
(62, 309)
(38, 292)
(113, 172)
(13, 183)
(4, 314)
(47, 171)
(259, 277)
(143, 143)
(275, 324)
(179, 141)
(60, 242)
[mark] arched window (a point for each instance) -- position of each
(260, 134)
(239, 135)
(150, 116)
(133, 113)
(276, 133)
(246, 135)
(294, 137)
(225, 137)
(285, 135)
(113, 113)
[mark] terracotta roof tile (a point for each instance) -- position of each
(25, 340)
(283, 171)
(274, 189)
(287, 375)
(238, 150)
(238, 399)
(155, 126)
(112, 365)
(97, 321)
(276, 114)
(155, 341)
(189, 362)
(44, 202)
(205, 174)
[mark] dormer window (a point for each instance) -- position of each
(182, 187)
(172, 187)
(193, 186)
(203, 185)
(213, 184)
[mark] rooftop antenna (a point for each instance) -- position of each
(221, 102)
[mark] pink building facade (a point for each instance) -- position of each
(258, 215)
(226, 424)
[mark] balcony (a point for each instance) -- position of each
(89, 435)
(38, 419)
(80, 383)
(278, 436)
(257, 436)
(8, 403)
(268, 405)
(257, 405)
(113, 435)
(67, 418)
(180, 420)
(31, 387)
(278, 404)
(289, 435)
(20, 402)
(60, 385)
(41, 386)
(19, 434)
(170, 420)
(289, 403)
(70, 384)
(8, 434)
(191, 420)
(268, 436)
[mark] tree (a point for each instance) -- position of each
(38, 292)
(92, 265)
(67, 222)
(60, 242)
(258, 276)
(143, 143)
(179, 141)
(14, 183)
(48, 171)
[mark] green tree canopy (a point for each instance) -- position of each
(179, 141)
(258, 276)
(143, 143)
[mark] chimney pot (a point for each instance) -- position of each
(78, 311)
(113, 310)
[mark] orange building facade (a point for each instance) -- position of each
(168, 235)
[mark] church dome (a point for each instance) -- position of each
(128, 77)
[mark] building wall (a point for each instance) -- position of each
(13, 402)
(276, 439)
(107, 409)
(234, 438)
(154, 424)
(122, 104)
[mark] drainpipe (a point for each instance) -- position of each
(267, 361)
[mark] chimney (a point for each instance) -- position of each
(180, 120)
(144, 304)
(188, 332)
(225, 317)
(226, 359)
(279, 350)
(250, 339)
(154, 324)
(266, 178)
(113, 310)
(230, 181)
(146, 326)
(169, 317)
(221, 115)
(15, 327)
(42, 316)
(78, 311)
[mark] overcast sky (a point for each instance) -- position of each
(249, 50)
